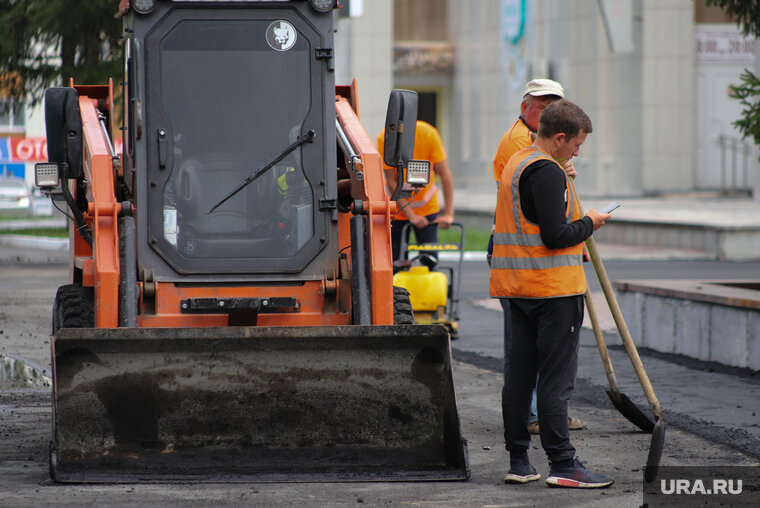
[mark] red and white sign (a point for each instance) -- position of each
(28, 149)
(32, 149)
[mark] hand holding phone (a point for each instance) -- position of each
(610, 207)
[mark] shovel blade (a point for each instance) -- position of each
(655, 451)
(631, 411)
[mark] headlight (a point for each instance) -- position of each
(323, 5)
(143, 6)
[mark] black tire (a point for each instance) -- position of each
(74, 307)
(402, 307)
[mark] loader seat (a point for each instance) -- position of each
(235, 229)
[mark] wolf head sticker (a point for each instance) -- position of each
(281, 35)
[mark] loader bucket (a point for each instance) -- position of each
(238, 404)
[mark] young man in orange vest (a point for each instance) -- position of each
(423, 209)
(537, 266)
(537, 95)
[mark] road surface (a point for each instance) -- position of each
(610, 444)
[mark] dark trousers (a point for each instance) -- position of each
(545, 340)
(428, 234)
(507, 351)
(507, 335)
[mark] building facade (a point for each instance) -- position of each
(652, 74)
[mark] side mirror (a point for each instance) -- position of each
(63, 126)
(400, 127)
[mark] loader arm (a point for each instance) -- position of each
(99, 265)
(376, 204)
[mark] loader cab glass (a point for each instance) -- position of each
(234, 94)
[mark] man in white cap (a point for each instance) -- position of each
(537, 95)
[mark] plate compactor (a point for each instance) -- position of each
(433, 289)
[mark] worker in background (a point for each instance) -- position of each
(423, 209)
(537, 267)
(537, 95)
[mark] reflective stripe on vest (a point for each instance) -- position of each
(429, 194)
(522, 266)
(424, 202)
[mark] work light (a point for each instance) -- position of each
(418, 173)
(46, 175)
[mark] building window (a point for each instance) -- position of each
(420, 20)
(12, 114)
(427, 109)
(705, 14)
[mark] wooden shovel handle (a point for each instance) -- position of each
(606, 362)
(617, 315)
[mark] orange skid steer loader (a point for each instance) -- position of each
(231, 314)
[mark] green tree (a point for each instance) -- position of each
(745, 12)
(45, 42)
(747, 16)
(748, 93)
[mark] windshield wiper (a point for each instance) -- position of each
(308, 137)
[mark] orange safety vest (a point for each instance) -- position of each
(522, 266)
(515, 139)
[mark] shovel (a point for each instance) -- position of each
(621, 402)
(658, 431)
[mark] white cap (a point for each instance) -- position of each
(538, 87)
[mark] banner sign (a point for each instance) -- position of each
(19, 149)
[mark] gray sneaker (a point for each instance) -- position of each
(577, 476)
(521, 473)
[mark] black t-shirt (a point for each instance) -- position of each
(543, 198)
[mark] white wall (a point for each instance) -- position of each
(722, 54)
(641, 101)
(364, 50)
(485, 100)
(668, 95)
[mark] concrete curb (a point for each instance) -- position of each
(608, 252)
(474, 255)
(53, 222)
(34, 242)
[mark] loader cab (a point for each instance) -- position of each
(228, 95)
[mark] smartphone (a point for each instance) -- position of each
(609, 208)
